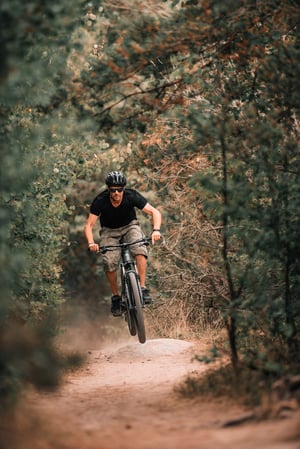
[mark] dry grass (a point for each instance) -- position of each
(244, 387)
(183, 318)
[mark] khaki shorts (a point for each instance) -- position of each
(108, 236)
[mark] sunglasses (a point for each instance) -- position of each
(117, 189)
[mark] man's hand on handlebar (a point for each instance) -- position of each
(94, 247)
(155, 236)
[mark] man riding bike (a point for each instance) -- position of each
(115, 207)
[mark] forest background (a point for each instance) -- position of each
(198, 103)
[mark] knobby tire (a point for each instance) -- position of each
(137, 313)
(129, 317)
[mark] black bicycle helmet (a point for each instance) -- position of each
(115, 178)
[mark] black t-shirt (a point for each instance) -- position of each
(117, 217)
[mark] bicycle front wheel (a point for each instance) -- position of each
(129, 318)
(131, 321)
(137, 312)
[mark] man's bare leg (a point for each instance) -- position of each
(112, 277)
(141, 263)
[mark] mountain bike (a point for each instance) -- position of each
(132, 303)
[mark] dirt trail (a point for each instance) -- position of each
(124, 398)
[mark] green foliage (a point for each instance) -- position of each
(210, 357)
(37, 164)
(28, 355)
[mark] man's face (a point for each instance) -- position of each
(116, 192)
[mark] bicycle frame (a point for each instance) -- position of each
(132, 298)
(127, 266)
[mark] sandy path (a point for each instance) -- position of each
(123, 398)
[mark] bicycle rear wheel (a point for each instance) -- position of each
(137, 312)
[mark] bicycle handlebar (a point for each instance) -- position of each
(144, 241)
